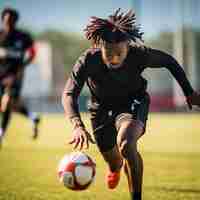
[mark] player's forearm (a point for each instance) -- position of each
(72, 91)
(70, 97)
(71, 109)
(69, 104)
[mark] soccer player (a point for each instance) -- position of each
(16, 52)
(119, 104)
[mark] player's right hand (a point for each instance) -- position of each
(81, 138)
(193, 100)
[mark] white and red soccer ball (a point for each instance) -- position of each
(76, 171)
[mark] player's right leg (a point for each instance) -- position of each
(115, 163)
(20, 106)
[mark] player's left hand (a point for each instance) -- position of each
(193, 100)
(3, 52)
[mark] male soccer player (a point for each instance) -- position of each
(119, 100)
(16, 52)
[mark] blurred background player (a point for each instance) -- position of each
(119, 100)
(16, 52)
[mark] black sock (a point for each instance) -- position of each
(136, 196)
(23, 110)
(5, 119)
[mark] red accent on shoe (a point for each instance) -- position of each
(112, 179)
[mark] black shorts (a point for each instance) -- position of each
(15, 90)
(105, 121)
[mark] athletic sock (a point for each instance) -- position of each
(33, 116)
(1, 132)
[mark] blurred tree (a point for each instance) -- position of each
(162, 41)
(68, 45)
(66, 48)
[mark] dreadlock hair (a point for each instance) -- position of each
(14, 13)
(118, 27)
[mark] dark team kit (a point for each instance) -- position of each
(16, 44)
(119, 90)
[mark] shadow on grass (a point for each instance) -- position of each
(174, 189)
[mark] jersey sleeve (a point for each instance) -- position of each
(158, 59)
(74, 86)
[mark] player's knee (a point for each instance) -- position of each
(127, 148)
(130, 130)
(128, 135)
(133, 129)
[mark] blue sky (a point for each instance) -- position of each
(62, 14)
(73, 15)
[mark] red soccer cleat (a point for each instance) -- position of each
(112, 179)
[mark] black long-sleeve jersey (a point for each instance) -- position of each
(16, 43)
(116, 87)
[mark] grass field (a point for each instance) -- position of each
(170, 148)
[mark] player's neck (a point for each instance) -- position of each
(114, 65)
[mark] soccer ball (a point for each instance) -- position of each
(76, 171)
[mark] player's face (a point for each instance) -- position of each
(8, 22)
(115, 53)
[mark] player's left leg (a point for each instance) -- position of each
(131, 126)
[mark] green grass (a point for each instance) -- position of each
(170, 148)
